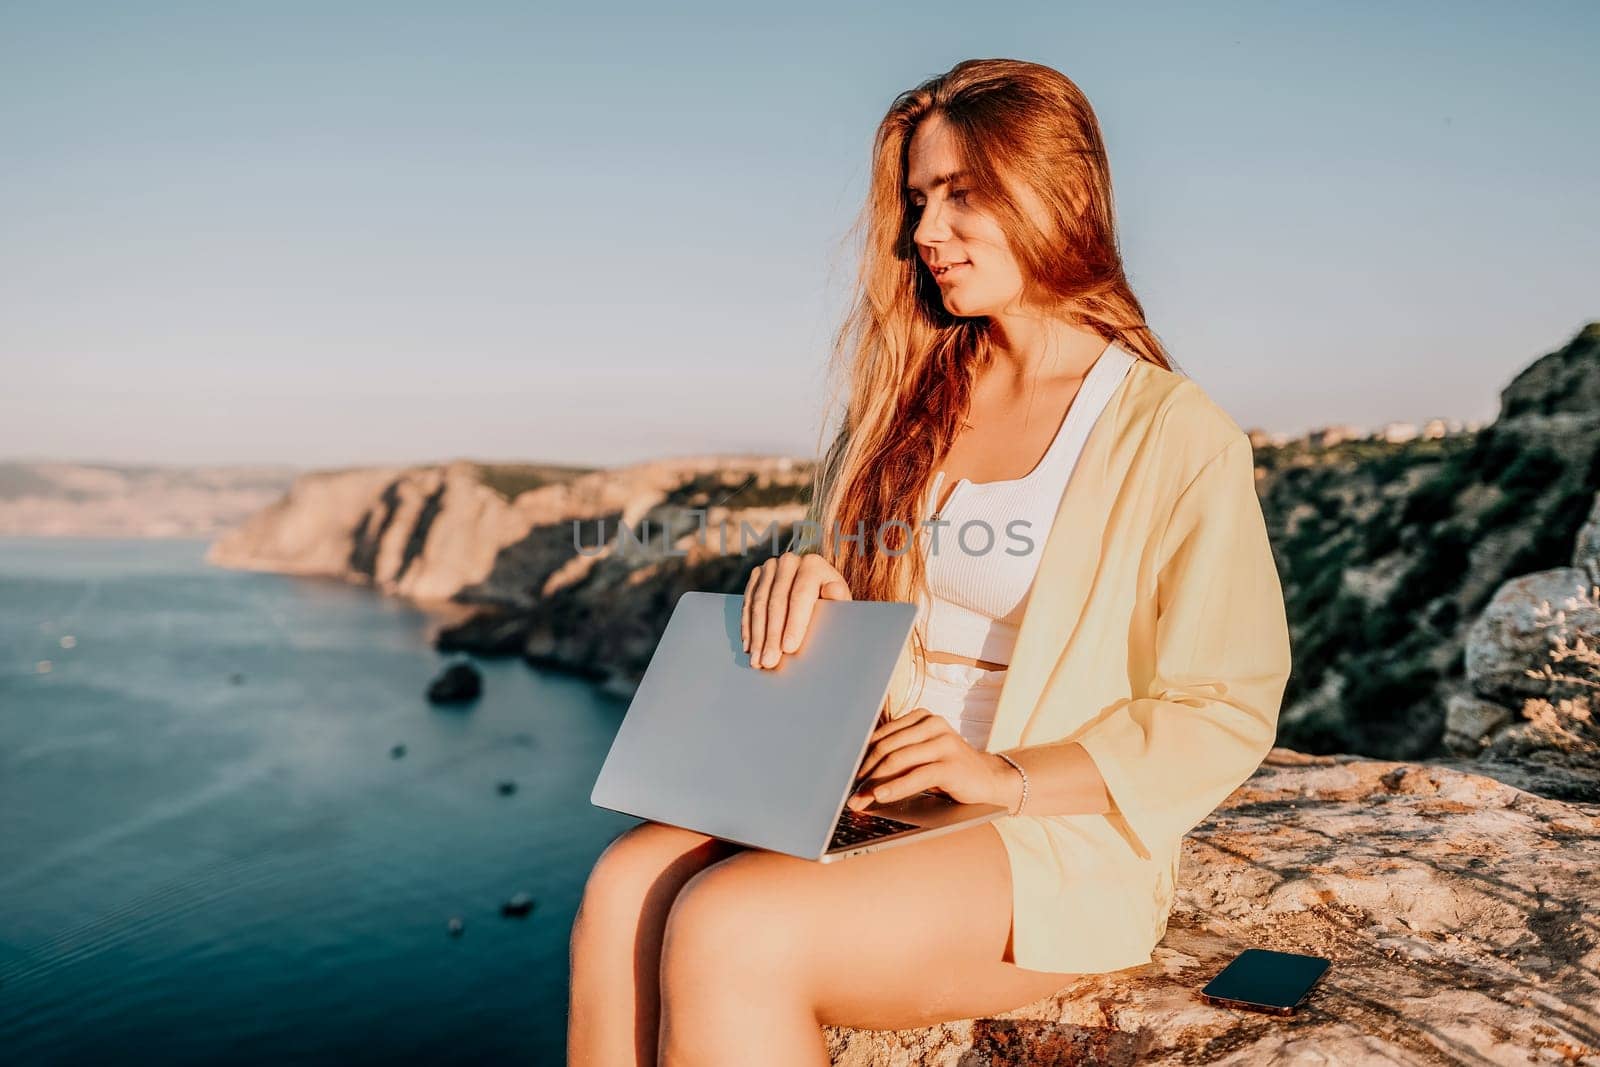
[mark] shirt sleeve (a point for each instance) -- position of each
(1170, 757)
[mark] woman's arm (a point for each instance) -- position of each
(1166, 759)
(1062, 780)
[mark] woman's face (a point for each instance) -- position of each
(952, 227)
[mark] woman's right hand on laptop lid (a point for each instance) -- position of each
(778, 600)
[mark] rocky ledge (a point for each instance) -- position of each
(1458, 912)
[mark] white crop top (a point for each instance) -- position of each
(984, 552)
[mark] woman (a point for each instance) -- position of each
(1110, 685)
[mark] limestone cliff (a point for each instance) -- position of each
(574, 568)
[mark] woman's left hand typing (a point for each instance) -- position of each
(921, 751)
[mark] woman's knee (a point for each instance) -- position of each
(638, 874)
(731, 917)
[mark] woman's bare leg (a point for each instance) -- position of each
(762, 949)
(614, 1002)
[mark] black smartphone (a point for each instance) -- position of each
(1260, 979)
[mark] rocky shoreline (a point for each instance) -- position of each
(522, 556)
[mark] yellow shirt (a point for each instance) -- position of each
(1155, 636)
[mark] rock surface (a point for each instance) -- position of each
(1458, 913)
(1514, 632)
(1414, 573)
(459, 683)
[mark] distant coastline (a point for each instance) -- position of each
(63, 498)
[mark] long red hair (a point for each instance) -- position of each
(908, 363)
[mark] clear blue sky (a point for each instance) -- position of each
(332, 234)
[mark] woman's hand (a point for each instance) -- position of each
(922, 751)
(778, 600)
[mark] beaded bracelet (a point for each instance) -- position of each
(1021, 803)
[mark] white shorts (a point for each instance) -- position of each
(965, 696)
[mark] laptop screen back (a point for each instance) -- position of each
(759, 757)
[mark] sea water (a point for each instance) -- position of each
(208, 852)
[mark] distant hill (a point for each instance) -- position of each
(64, 499)
(54, 499)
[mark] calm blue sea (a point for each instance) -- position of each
(195, 869)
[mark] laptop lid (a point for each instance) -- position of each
(763, 758)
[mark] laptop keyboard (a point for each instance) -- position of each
(855, 827)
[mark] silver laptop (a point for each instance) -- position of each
(767, 758)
